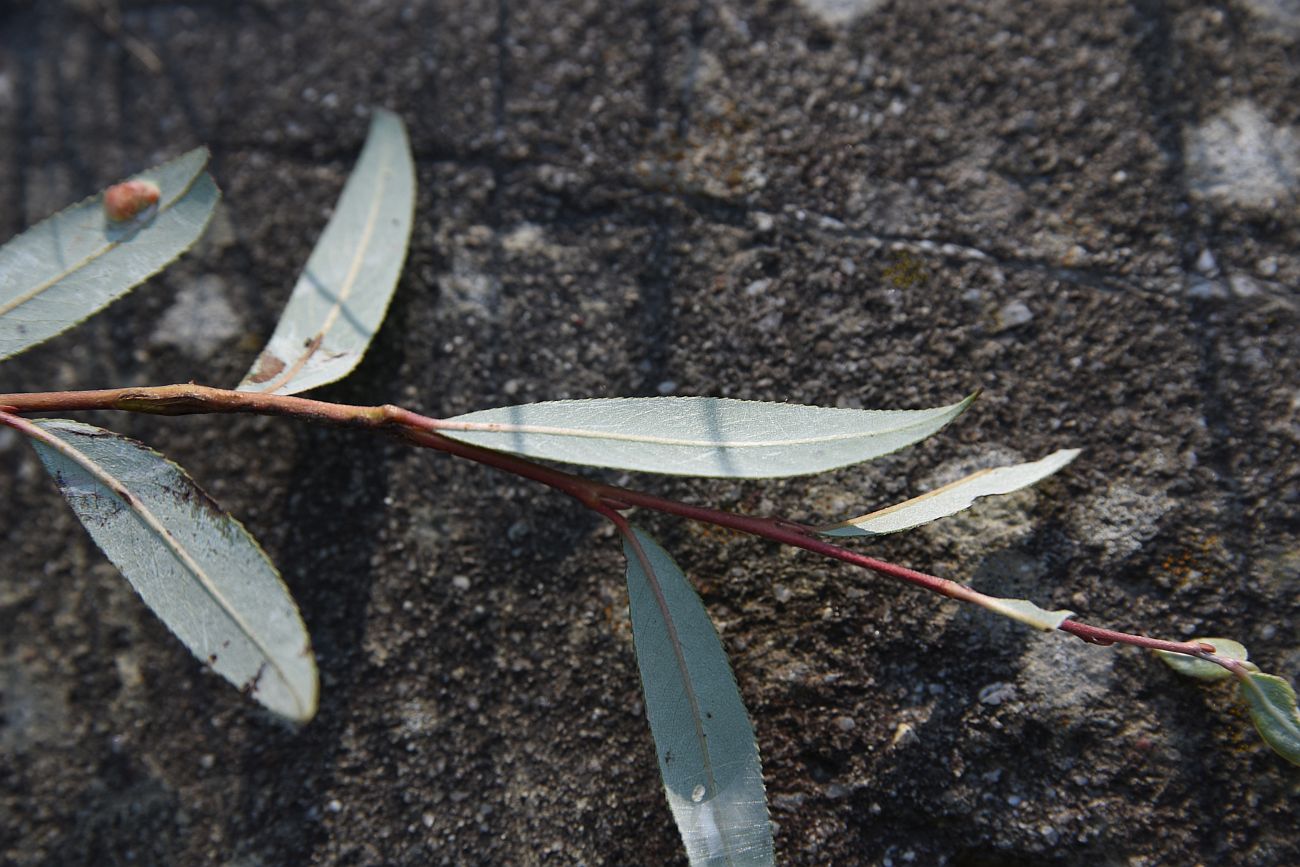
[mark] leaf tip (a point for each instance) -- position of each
(309, 702)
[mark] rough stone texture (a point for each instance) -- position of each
(887, 209)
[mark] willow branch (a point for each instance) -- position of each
(609, 500)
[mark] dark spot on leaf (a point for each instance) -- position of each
(251, 687)
(189, 493)
(101, 434)
(212, 659)
(268, 367)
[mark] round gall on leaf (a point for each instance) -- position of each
(127, 199)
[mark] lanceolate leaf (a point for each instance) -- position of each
(76, 262)
(1200, 668)
(1026, 612)
(343, 293)
(192, 563)
(698, 436)
(1273, 710)
(952, 498)
(707, 754)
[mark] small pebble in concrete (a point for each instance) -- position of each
(1013, 315)
(996, 693)
(1244, 286)
(839, 12)
(904, 734)
(1240, 157)
(1206, 263)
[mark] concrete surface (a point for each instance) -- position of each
(1086, 207)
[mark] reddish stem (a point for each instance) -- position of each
(607, 500)
(1107, 637)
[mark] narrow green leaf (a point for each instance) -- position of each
(1200, 669)
(708, 757)
(343, 293)
(952, 498)
(698, 436)
(193, 564)
(1025, 611)
(76, 262)
(1272, 705)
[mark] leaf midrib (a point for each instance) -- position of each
(674, 640)
(107, 248)
(580, 433)
(119, 490)
(1278, 714)
(385, 170)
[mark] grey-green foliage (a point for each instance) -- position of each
(1270, 700)
(1027, 612)
(952, 498)
(708, 757)
(193, 564)
(1272, 704)
(1201, 669)
(699, 436)
(199, 571)
(207, 579)
(343, 293)
(76, 262)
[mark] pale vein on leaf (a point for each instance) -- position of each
(122, 492)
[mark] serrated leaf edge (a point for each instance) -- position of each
(109, 246)
(306, 704)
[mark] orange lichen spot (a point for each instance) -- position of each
(714, 533)
(905, 271)
(128, 199)
(1192, 563)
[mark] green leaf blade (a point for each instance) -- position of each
(193, 564)
(1272, 704)
(77, 262)
(698, 436)
(952, 498)
(1191, 666)
(343, 293)
(708, 757)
